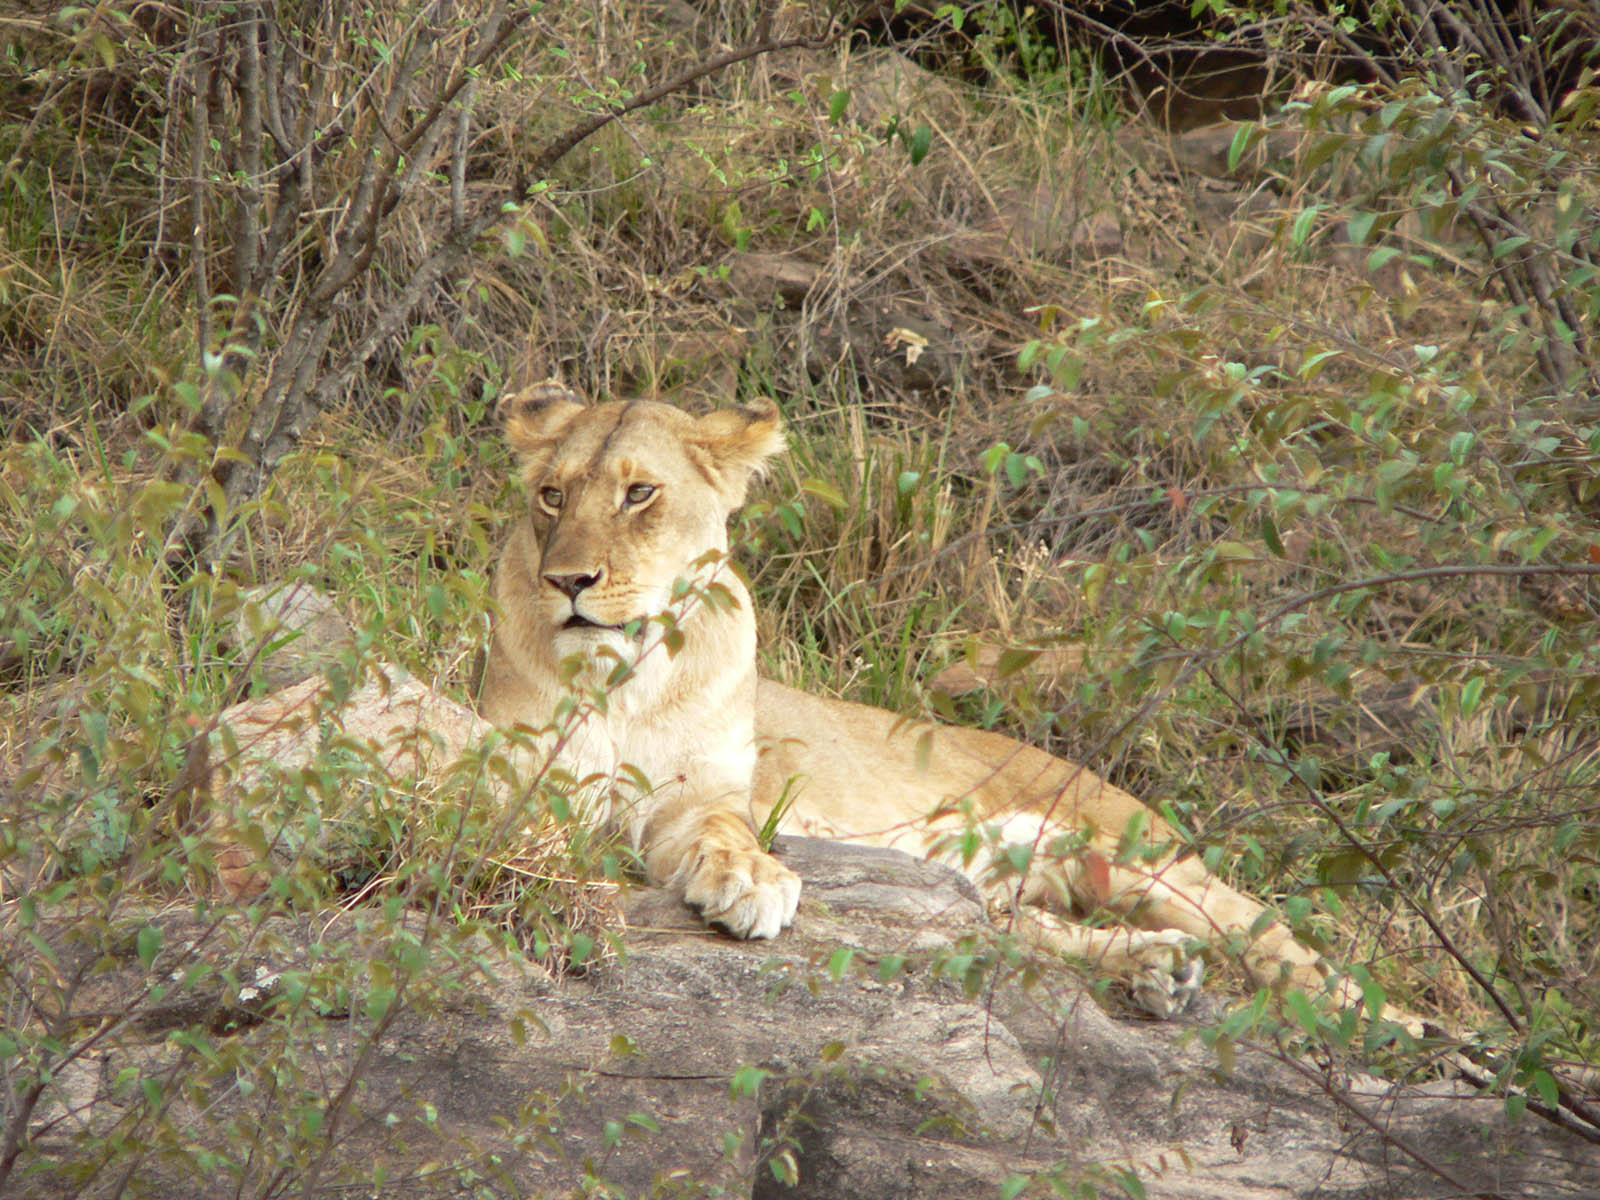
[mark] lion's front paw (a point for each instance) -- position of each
(746, 892)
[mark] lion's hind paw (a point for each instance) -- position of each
(1157, 966)
(1165, 979)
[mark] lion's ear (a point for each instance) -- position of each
(738, 442)
(537, 417)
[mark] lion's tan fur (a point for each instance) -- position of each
(718, 748)
(669, 752)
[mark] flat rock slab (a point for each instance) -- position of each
(868, 1052)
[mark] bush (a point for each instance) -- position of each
(1293, 531)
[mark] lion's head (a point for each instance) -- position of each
(626, 502)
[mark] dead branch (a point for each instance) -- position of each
(298, 390)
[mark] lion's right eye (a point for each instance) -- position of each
(551, 498)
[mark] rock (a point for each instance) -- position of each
(1205, 151)
(389, 725)
(403, 727)
(886, 85)
(888, 1045)
(692, 1063)
(1050, 222)
(292, 631)
(769, 281)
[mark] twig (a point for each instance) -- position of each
(1346, 1101)
(458, 164)
(297, 390)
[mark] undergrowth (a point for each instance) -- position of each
(1282, 514)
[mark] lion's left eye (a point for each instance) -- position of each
(640, 492)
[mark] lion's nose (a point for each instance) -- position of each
(571, 585)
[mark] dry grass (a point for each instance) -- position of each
(739, 240)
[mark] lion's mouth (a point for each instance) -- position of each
(634, 629)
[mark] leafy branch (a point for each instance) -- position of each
(288, 214)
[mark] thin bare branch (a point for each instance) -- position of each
(458, 158)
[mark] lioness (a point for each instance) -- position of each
(620, 566)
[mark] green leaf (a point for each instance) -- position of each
(379, 1001)
(1012, 660)
(1269, 535)
(147, 945)
(1360, 226)
(921, 142)
(1304, 224)
(580, 948)
(1019, 855)
(1302, 1010)
(747, 1081)
(1012, 1186)
(1382, 256)
(784, 1168)
(826, 492)
(1544, 1083)
(1244, 137)
(673, 640)
(1322, 150)
(1312, 366)
(1509, 245)
(1374, 995)
(837, 104)
(840, 961)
